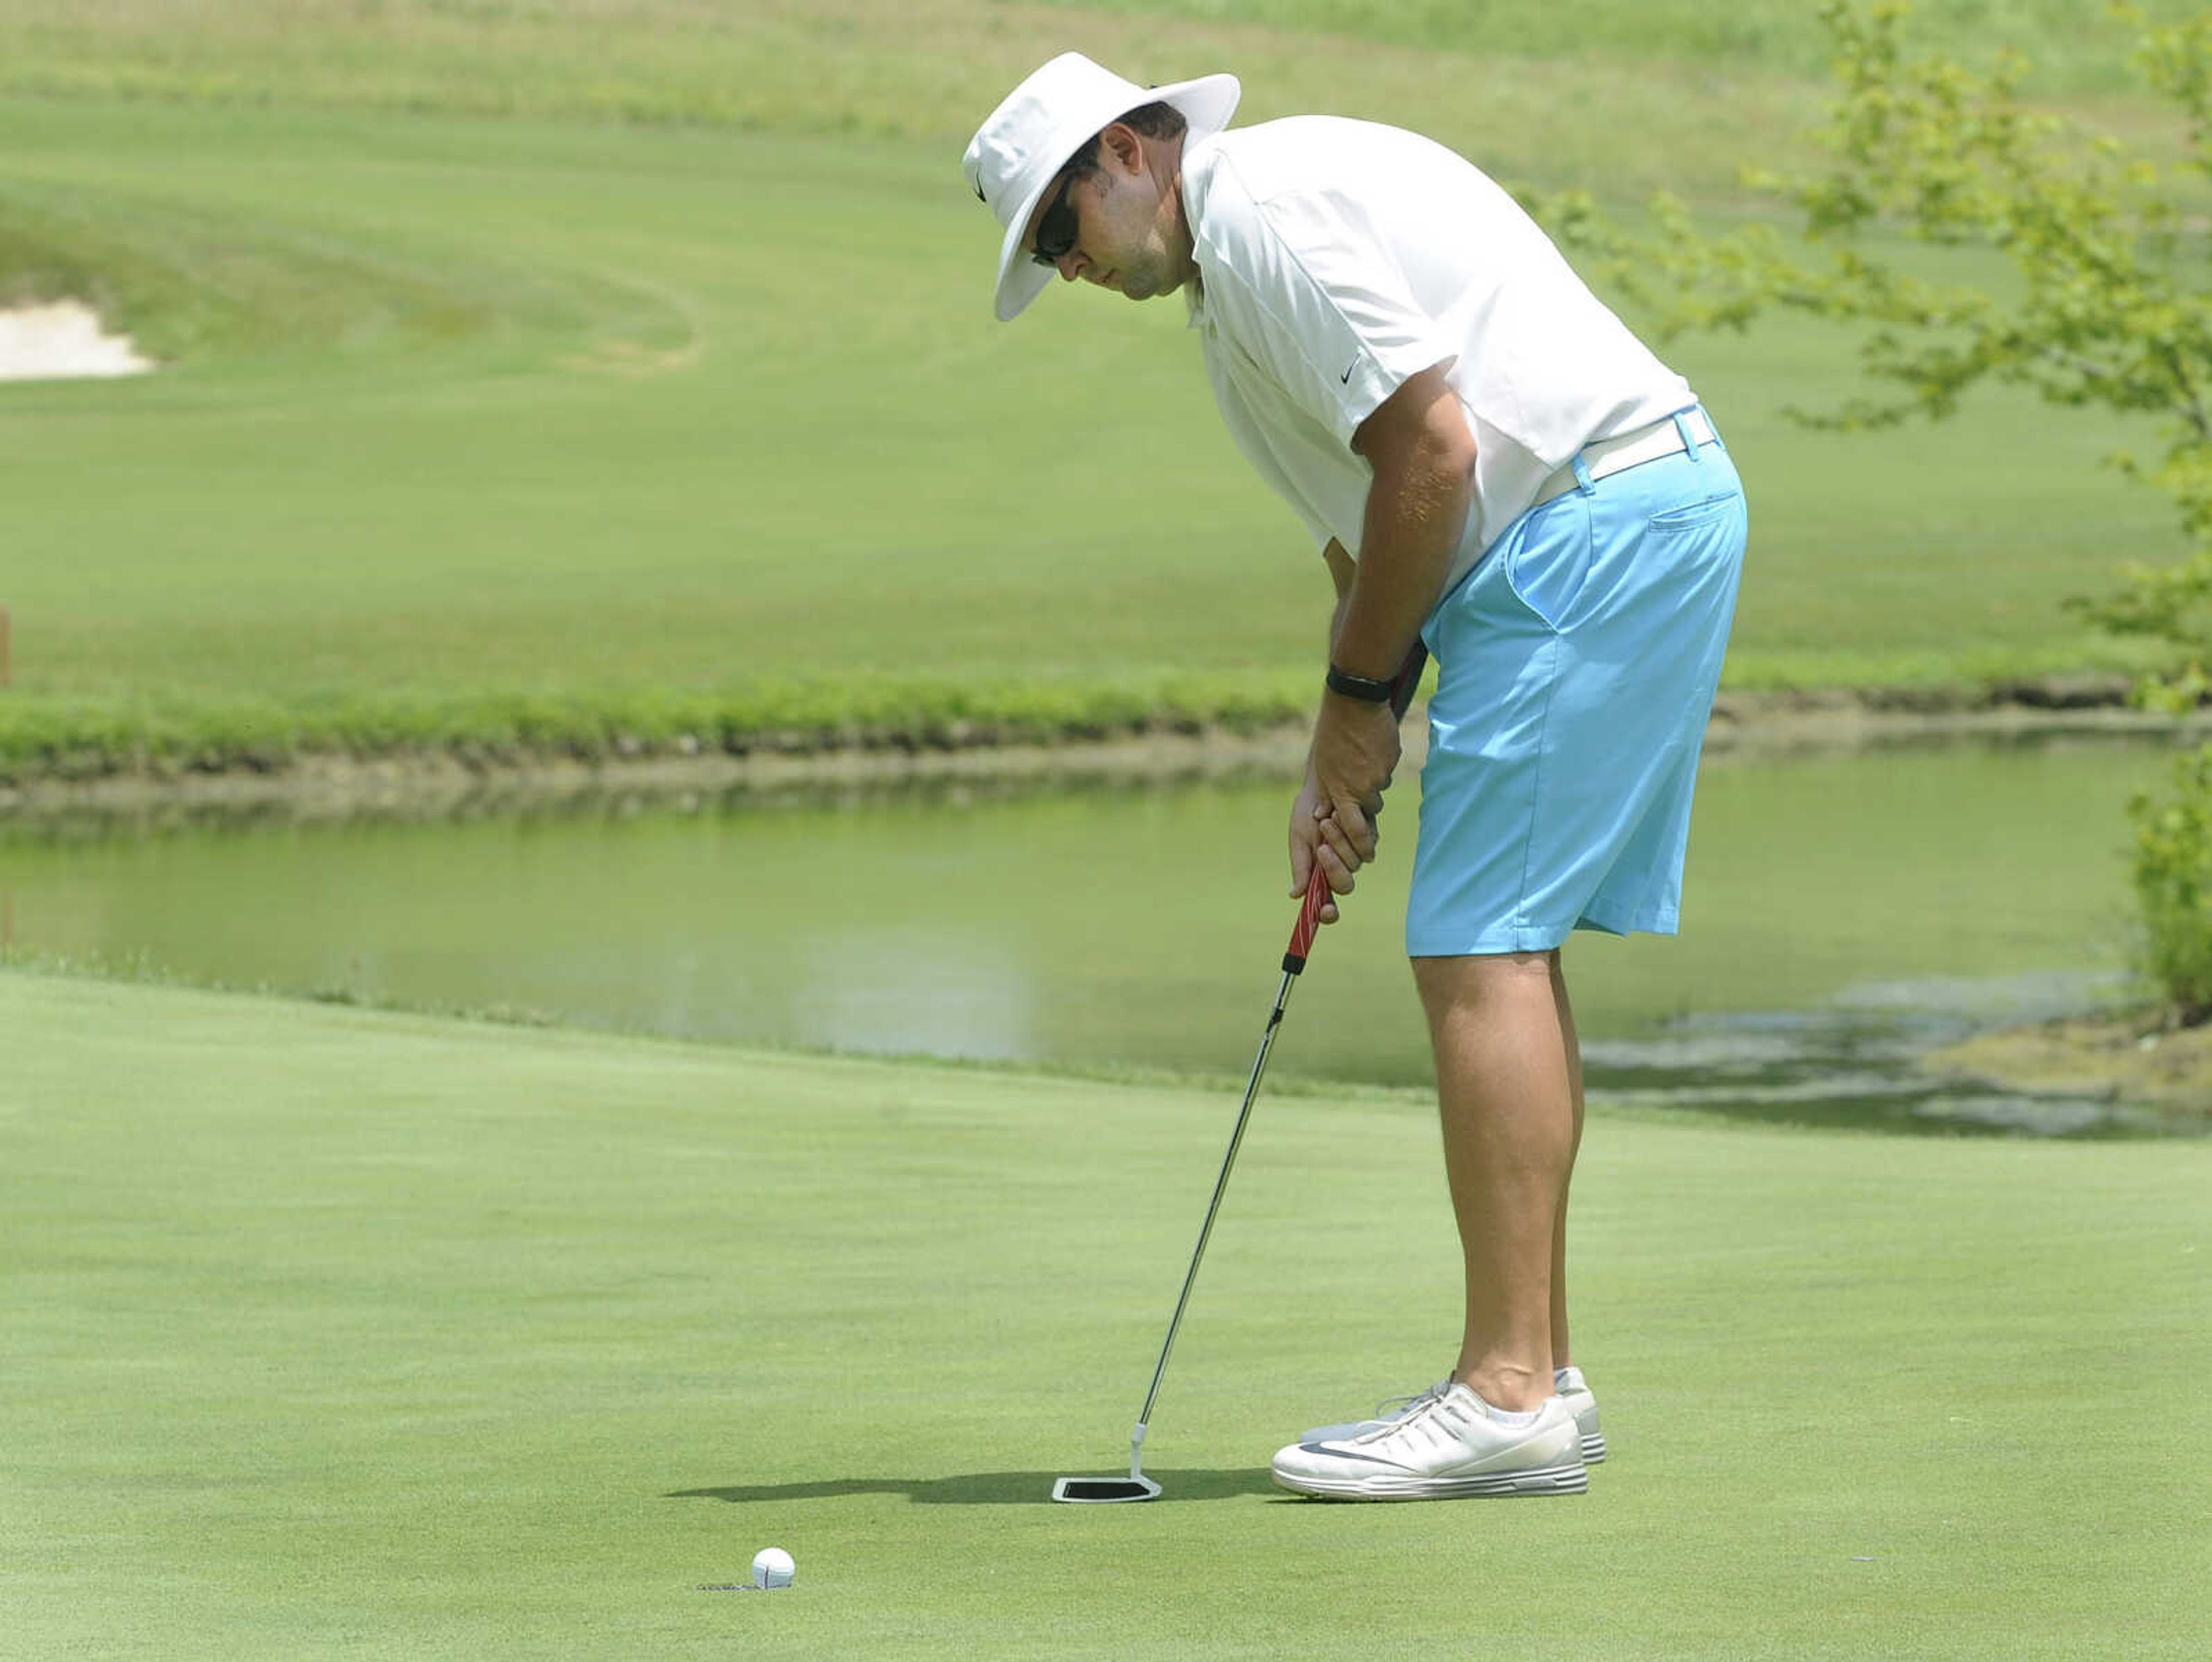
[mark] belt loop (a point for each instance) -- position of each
(1583, 479)
(1689, 439)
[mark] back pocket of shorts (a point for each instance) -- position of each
(1693, 513)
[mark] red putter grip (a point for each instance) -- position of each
(1403, 686)
(1302, 935)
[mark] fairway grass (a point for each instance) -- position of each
(600, 376)
(341, 1333)
(590, 438)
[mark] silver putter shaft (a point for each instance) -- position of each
(1136, 1486)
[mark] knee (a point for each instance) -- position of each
(1447, 983)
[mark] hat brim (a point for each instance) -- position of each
(1206, 105)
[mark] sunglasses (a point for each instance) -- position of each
(1057, 230)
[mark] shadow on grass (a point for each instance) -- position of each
(987, 1488)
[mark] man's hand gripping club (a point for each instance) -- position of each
(1355, 752)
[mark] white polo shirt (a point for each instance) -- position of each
(1338, 258)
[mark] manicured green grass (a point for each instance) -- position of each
(559, 376)
(922, 70)
(2072, 45)
(699, 465)
(1697, 77)
(339, 1333)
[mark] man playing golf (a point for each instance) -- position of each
(1494, 468)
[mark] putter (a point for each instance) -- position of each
(1104, 1491)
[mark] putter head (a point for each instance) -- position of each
(1104, 1491)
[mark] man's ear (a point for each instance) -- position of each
(1122, 144)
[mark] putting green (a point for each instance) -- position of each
(333, 1332)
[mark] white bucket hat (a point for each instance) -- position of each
(1029, 138)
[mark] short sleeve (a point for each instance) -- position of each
(1315, 299)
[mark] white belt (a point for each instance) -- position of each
(1662, 438)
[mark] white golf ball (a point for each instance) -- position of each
(772, 1567)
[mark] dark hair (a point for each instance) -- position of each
(1153, 120)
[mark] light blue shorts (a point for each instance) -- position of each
(1577, 665)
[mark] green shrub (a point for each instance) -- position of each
(2172, 875)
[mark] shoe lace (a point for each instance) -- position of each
(1401, 1407)
(1415, 1427)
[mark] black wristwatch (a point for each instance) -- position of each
(1363, 688)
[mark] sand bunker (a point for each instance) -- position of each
(61, 341)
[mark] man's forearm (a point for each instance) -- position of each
(1416, 514)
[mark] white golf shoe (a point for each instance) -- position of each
(1571, 1384)
(1577, 1396)
(1446, 1444)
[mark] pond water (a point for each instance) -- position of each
(1844, 912)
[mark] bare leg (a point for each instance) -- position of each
(1562, 1351)
(1506, 1089)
